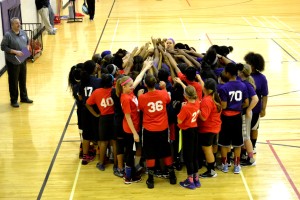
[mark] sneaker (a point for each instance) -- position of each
(187, 184)
(254, 150)
(15, 105)
(86, 159)
(150, 183)
(209, 174)
(197, 183)
(248, 163)
(223, 168)
(236, 169)
(135, 179)
(101, 167)
(119, 173)
(26, 100)
(51, 33)
(79, 15)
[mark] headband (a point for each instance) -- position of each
(127, 81)
(114, 70)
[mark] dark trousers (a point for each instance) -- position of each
(91, 8)
(190, 150)
(17, 75)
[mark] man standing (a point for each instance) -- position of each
(12, 44)
(42, 7)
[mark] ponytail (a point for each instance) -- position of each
(217, 101)
(119, 88)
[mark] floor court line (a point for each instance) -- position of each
(55, 154)
(246, 185)
(284, 169)
(75, 181)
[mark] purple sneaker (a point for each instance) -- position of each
(187, 184)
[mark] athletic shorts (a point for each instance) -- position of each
(255, 121)
(155, 144)
(231, 131)
(207, 139)
(90, 125)
(106, 130)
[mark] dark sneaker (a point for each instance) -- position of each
(187, 184)
(15, 105)
(150, 183)
(209, 174)
(135, 179)
(197, 183)
(119, 173)
(248, 163)
(86, 159)
(26, 101)
(101, 167)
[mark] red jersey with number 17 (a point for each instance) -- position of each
(153, 104)
(102, 98)
(188, 115)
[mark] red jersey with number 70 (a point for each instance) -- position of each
(188, 115)
(102, 98)
(153, 104)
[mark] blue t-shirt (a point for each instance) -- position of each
(261, 89)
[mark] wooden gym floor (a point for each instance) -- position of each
(39, 143)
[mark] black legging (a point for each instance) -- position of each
(91, 8)
(190, 150)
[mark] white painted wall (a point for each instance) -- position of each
(29, 15)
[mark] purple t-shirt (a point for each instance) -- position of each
(261, 89)
(234, 93)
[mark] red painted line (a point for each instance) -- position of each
(208, 39)
(286, 140)
(284, 170)
(188, 2)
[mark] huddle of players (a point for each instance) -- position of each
(138, 101)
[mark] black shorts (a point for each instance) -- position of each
(231, 131)
(79, 116)
(255, 121)
(106, 131)
(207, 139)
(90, 125)
(156, 144)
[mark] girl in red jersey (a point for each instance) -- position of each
(209, 124)
(102, 98)
(187, 122)
(131, 121)
(153, 104)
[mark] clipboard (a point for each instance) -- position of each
(26, 54)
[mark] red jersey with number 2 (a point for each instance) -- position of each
(188, 115)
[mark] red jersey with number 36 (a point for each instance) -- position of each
(188, 115)
(102, 98)
(153, 104)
